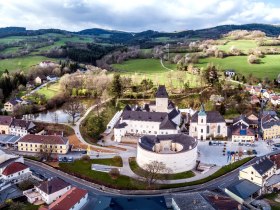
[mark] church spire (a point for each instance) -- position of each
(202, 110)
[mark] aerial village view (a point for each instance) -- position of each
(139, 105)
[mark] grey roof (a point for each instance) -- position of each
(243, 188)
(127, 107)
(191, 201)
(270, 124)
(5, 120)
(242, 118)
(212, 117)
(167, 124)
(144, 116)
(9, 139)
(147, 142)
(171, 105)
(161, 92)
(15, 101)
(263, 165)
(121, 125)
(23, 123)
(275, 179)
(130, 203)
(53, 185)
(174, 113)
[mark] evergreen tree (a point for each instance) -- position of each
(117, 87)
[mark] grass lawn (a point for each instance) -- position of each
(83, 170)
(10, 50)
(269, 66)
(136, 169)
(243, 45)
(23, 63)
(50, 91)
(224, 170)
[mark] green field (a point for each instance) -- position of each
(269, 66)
(50, 91)
(243, 45)
(139, 69)
(10, 50)
(22, 63)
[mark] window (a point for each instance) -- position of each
(252, 178)
(201, 130)
(60, 147)
(252, 172)
(207, 128)
(201, 120)
(219, 129)
(194, 128)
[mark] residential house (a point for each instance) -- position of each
(16, 172)
(255, 100)
(10, 105)
(207, 124)
(229, 72)
(5, 122)
(46, 64)
(19, 127)
(275, 100)
(40, 79)
(74, 199)
(259, 172)
(139, 203)
(6, 159)
(270, 125)
(43, 143)
(50, 190)
(243, 191)
(254, 120)
(204, 200)
(242, 133)
(52, 78)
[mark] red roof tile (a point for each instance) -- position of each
(68, 200)
(43, 139)
(14, 168)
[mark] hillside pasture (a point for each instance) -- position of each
(269, 66)
(243, 45)
(22, 63)
(139, 69)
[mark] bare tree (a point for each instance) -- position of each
(73, 108)
(154, 171)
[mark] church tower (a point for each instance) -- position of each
(161, 99)
(202, 116)
(202, 124)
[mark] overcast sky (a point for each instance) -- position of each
(136, 15)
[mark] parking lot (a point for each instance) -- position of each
(214, 154)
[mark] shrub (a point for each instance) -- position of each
(114, 173)
(85, 158)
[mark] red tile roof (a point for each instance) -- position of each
(14, 168)
(68, 200)
(30, 138)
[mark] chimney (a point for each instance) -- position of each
(216, 197)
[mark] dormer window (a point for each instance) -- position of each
(201, 120)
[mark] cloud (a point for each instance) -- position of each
(135, 15)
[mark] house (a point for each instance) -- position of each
(270, 125)
(16, 172)
(74, 199)
(254, 120)
(6, 159)
(43, 143)
(243, 191)
(259, 172)
(159, 118)
(40, 79)
(275, 100)
(139, 203)
(229, 72)
(5, 122)
(46, 64)
(10, 105)
(204, 200)
(52, 78)
(48, 191)
(19, 127)
(242, 133)
(207, 124)
(255, 100)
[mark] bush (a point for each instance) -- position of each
(114, 173)
(85, 158)
(253, 59)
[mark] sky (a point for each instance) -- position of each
(136, 15)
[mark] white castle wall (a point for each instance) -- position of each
(177, 162)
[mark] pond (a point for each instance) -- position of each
(51, 116)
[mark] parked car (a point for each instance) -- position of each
(254, 152)
(70, 159)
(274, 148)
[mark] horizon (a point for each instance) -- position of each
(136, 16)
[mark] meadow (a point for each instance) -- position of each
(50, 91)
(139, 69)
(269, 66)
(22, 63)
(243, 45)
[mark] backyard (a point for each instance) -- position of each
(50, 90)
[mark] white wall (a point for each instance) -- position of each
(52, 197)
(83, 201)
(177, 162)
